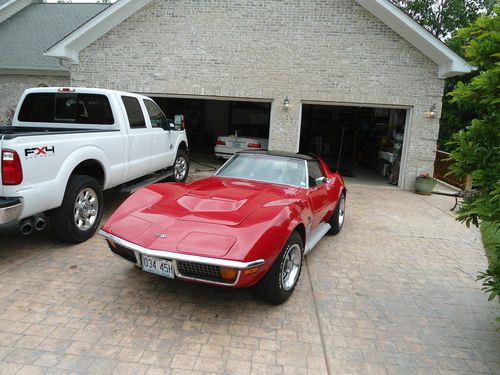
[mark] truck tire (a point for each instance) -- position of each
(79, 215)
(180, 168)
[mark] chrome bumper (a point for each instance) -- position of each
(139, 250)
(10, 209)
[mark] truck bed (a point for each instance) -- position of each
(11, 132)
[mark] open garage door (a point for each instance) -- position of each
(371, 139)
(208, 119)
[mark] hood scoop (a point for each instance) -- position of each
(215, 204)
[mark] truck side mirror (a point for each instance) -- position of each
(179, 122)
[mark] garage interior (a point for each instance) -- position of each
(208, 119)
(371, 139)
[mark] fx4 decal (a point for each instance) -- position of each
(42, 151)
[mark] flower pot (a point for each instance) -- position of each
(425, 186)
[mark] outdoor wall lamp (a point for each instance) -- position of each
(432, 113)
(286, 104)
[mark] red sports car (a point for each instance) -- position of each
(248, 225)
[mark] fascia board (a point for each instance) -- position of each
(69, 47)
(449, 62)
(33, 71)
(7, 4)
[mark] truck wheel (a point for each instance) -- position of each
(338, 217)
(279, 282)
(77, 219)
(181, 167)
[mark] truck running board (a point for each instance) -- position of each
(135, 185)
(318, 234)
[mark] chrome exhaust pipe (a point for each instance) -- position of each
(26, 226)
(39, 223)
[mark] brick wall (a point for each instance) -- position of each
(13, 85)
(317, 50)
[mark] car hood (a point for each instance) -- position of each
(217, 201)
(200, 218)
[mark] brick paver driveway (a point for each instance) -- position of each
(394, 293)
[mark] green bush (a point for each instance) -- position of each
(476, 150)
(491, 277)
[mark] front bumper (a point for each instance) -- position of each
(181, 262)
(10, 209)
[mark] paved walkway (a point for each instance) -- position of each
(393, 293)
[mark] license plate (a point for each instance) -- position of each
(159, 266)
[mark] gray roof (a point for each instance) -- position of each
(25, 36)
(3, 2)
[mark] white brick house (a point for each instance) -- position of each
(353, 53)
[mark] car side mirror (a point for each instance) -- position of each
(321, 181)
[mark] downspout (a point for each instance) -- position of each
(68, 69)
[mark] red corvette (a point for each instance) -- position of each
(249, 224)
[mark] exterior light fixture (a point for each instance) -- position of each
(432, 113)
(286, 104)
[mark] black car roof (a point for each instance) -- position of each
(279, 153)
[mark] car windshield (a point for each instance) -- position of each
(276, 169)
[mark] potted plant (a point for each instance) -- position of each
(425, 184)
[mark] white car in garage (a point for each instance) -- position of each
(226, 146)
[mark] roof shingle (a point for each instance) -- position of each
(25, 36)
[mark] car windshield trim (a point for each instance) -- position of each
(302, 183)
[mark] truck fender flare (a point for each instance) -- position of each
(77, 157)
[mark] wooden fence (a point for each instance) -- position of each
(442, 167)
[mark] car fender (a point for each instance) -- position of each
(276, 225)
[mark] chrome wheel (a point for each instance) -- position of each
(291, 266)
(86, 209)
(180, 168)
(341, 211)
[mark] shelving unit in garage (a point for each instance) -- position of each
(372, 138)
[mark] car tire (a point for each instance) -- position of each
(180, 168)
(279, 282)
(79, 215)
(338, 217)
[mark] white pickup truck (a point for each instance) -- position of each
(66, 145)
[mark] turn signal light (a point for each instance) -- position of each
(12, 171)
(220, 142)
(251, 271)
(254, 145)
(228, 274)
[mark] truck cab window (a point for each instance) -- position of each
(156, 116)
(134, 112)
(66, 108)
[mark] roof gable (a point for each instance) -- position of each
(449, 63)
(30, 31)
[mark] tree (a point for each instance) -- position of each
(477, 148)
(443, 17)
